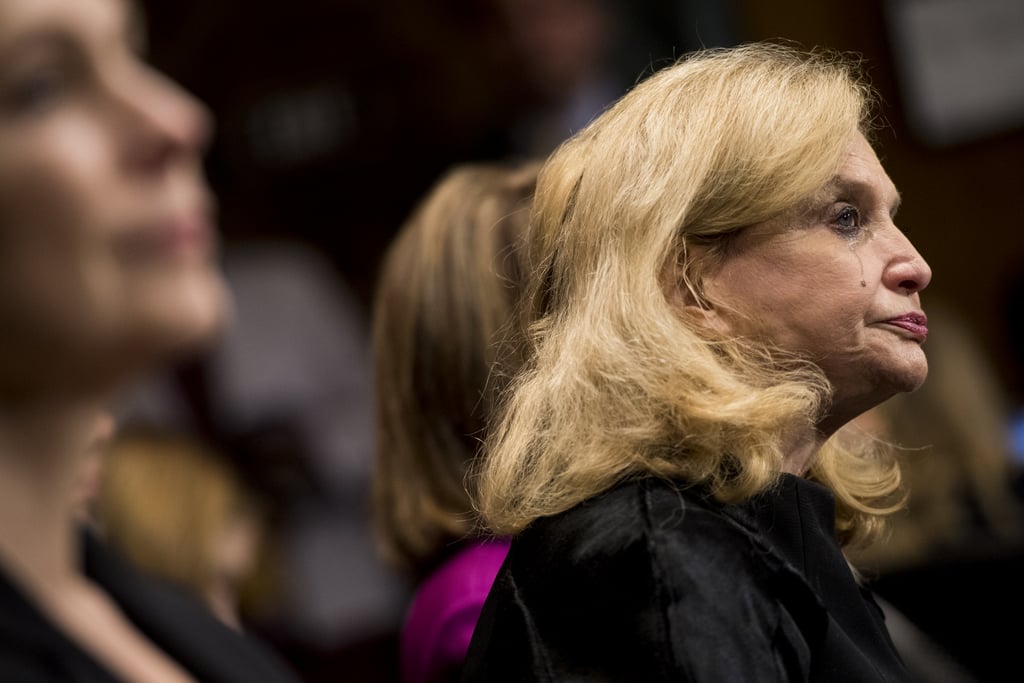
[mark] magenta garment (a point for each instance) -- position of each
(444, 611)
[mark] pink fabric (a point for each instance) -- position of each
(445, 609)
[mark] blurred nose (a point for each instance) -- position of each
(907, 270)
(165, 124)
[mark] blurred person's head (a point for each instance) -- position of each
(106, 223)
(563, 43)
(444, 297)
(178, 509)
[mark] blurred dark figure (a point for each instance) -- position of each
(566, 48)
(579, 56)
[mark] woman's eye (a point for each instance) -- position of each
(36, 92)
(847, 221)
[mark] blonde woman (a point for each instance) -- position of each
(447, 289)
(717, 287)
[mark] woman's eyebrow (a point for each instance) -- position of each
(55, 32)
(46, 36)
(843, 186)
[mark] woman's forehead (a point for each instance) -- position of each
(23, 20)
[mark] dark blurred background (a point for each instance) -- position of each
(335, 116)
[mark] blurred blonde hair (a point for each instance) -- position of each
(446, 287)
(629, 212)
(164, 500)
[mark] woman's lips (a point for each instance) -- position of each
(914, 323)
(188, 235)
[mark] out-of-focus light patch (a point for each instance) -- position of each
(1017, 437)
(960, 65)
(301, 125)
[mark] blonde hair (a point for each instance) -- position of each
(618, 383)
(165, 499)
(447, 286)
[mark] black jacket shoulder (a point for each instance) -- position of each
(34, 650)
(656, 581)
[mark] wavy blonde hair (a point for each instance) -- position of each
(618, 383)
(447, 286)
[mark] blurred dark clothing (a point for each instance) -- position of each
(32, 650)
(652, 581)
(969, 604)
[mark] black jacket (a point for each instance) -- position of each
(652, 581)
(33, 650)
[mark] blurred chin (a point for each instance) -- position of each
(169, 318)
(98, 344)
(197, 317)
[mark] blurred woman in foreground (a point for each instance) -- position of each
(107, 269)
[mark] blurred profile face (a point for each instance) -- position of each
(837, 283)
(107, 245)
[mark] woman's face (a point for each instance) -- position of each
(106, 224)
(838, 283)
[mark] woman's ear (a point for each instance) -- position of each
(687, 295)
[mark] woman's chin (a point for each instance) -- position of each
(902, 374)
(200, 318)
(876, 387)
(174, 323)
(913, 376)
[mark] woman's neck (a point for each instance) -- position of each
(800, 450)
(44, 455)
(43, 451)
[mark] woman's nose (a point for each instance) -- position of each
(166, 122)
(907, 270)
